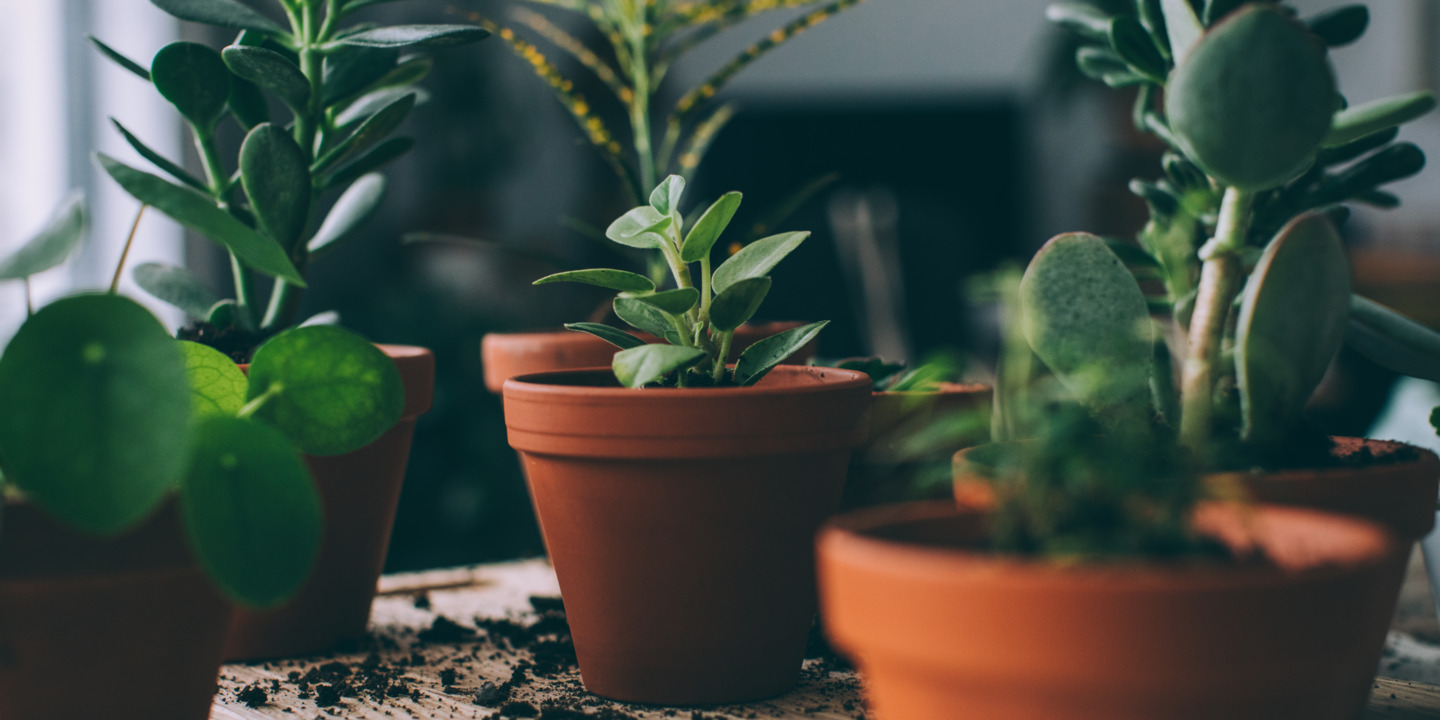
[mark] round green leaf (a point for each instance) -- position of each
(96, 420)
(331, 391)
(251, 510)
(217, 385)
(619, 280)
(640, 366)
(270, 70)
(1254, 99)
(276, 176)
(194, 79)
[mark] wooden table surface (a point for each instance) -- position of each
(427, 658)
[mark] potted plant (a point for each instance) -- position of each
(645, 40)
(678, 495)
(344, 90)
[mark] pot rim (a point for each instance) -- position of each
(552, 333)
(536, 385)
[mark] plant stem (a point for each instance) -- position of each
(718, 373)
(217, 179)
(29, 301)
(253, 406)
(125, 252)
(1219, 282)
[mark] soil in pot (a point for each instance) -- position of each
(359, 492)
(681, 522)
(941, 629)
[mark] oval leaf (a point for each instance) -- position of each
(276, 177)
(1392, 340)
(762, 357)
(353, 69)
(640, 366)
(375, 101)
(640, 228)
(224, 13)
(177, 286)
(615, 336)
(217, 385)
(756, 259)
(356, 205)
(251, 511)
(194, 79)
(372, 131)
(672, 302)
(646, 318)
(272, 71)
(398, 36)
(709, 227)
(52, 244)
(333, 392)
(620, 280)
(96, 427)
(1360, 121)
(738, 303)
(665, 198)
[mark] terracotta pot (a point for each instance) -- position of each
(128, 628)
(886, 466)
(681, 522)
(942, 630)
(506, 355)
(359, 492)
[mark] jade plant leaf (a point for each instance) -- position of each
(251, 510)
(646, 318)
(276, 176)
(377, 158)
(350, 70)
(223, 13)
(1291, 322)
(119, 59)
(176, 285)
(640, 228)
(194, 79)
(1340, 26)
(356, 205)
(1086, 318)
(738, 303)
(199, 213)
(620, 280)
(1081, 18)
(665, 198)
(756, 259)
(615, 336)
(248, 104)
(374, 101)
(1254, 100)
(1130, 40)
(159, 160)
(270, 70)
(217, 385)
(709, 227)
(1182, 26)
(762, 357)
(96, 427)
(330, 391)
(372, 131)
(640, 366)
(671, 302)
(52, 244)
(1360, 121)
(1392, 340)
(397, 36)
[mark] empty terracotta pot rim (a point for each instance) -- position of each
(599, 383)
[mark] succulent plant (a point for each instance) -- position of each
(1262, 153)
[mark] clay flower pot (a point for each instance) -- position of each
(506, 355)
(681, 522)
(941, 629)
(359, 492)
(886, 465)
(123, 628)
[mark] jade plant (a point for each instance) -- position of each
(1263, 152)
(106, 417)
(342, 91)
(697, 323)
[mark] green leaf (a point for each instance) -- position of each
(194, 79)
(226, 314)
(640, 366)
(248, 104)
(199, 213)
(1084, 19)
(666, 196)
(177, 286)
(709, 227)
(1292, 319)
(52, 244)
(334, 391)
(672, 302)
(224, 13)
(640, 228)
(159, 160)
(1392, 340)
(96, 427)
(350, 70)
(372, 131)
(1398, 161)
(124, 62)
(373, 102)
(1182, 26)
(276, 177)
(646, 318)
(756, 259)
(738, 303)
(1135, 47)
(1360, 121)
(1340, 26)
(762, 357)
(615, 336)
(251, 511)
(1216, 10)
(383, 154)
(217, 385)
(1254, 100)
(620, 280)
(272, 71)
(398, 36)
(356, 205)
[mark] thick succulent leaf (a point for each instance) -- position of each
(1086, 318)
(671, 302)
(96, 427)
(194, 79)
(1359, 121)
(52, 244)
(666, 196)
(1340, 26)
(756, 259)
(176, 286)
(370, 132)
(276, 177)
(251, 511)
(1182, 26)
(224, 13)
(762, 357)
(615, 336)
(119, 59)
(217, 385)
(709, 227)
(1254, 100)
(738, 303)
(334, 391)
(272, 71)
(355, 206)
(646, 318)
(1392, 340)
(1216, 10)
(1397, 161)
(1081, 18)
(1130, 40)
(398, 36)
(375, 101)
(199, 213)
(353, 69)
(1292, 320)
(640, 366)
(382, 155)
(159, 160)
(620, 280)
(640, 228)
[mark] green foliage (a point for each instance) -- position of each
(51, 245)
(177, 286)
(698, 322)
(217, 384)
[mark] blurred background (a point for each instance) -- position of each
(945, 138)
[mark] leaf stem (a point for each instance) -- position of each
(125, 252)
(254, 406)
(718, 373)
(29, 301)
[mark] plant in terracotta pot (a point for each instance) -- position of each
(679, 495)
(319, 100)
(643, 42)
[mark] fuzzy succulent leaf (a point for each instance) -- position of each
(1359, 121)
(640, 366)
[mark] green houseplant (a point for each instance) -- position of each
(679, 495)
(339, 92)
